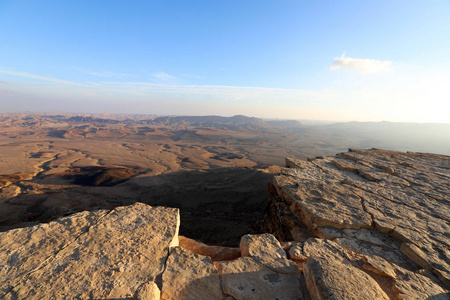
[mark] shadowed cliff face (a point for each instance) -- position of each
(217, 206)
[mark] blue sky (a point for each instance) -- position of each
(330, 60)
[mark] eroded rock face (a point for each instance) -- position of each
(391, 210)
(88, 255)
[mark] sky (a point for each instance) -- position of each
(324, 60)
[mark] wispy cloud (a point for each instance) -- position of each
(362, 65)
(231, 92)
(163, 77)
(400, 95)
(43, 78)
(102, 74)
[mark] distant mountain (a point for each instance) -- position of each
(83, 119)
(292, 125)
(215, 121)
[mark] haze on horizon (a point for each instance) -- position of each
(346, 61)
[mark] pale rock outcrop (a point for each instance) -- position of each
(104, 254)
(330, 272)
(390, 204)
(263, 272)
(190, 276)
(329, 279)
(318, 248)
(148, 291)
(408, 285)
(25, 250)
(262, 246)
(379, 265)
(245, 279)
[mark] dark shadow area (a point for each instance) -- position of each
(217, 206)
(100, 176)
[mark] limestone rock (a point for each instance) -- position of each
(266, 249)
(262, 246)
(379, 265)
(24, 250)
(327, 269)
(415, 286)
(320, 248)
(391, 204)
(369, 249)
(107, 255)
(190, 276)
(245, 278)
(408, 285)
(330, 279)
(263, 272)
(148, 291)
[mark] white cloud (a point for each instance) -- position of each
(102, 74)
(42, 78)
(360, 65)
(163, 77)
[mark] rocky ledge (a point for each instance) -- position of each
(366, 224)
(133, 252)
(389, 211)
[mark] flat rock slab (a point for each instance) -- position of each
(100, 255)
(263, 272)
(397, 202)
(330, 279)
(190, 276)
(246, 278)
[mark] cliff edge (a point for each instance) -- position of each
(390, 209)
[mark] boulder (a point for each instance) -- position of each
(148, 291)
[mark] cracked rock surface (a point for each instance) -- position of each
(133, 252)
(88, 255)
(390, 209)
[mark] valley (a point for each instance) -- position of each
(215, 169)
